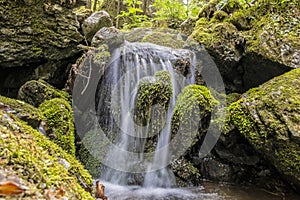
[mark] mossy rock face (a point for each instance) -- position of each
(39, 163)
(36, 92)
(59, 118)
(91, 151)
(250, 44)
(191, 117)
(153, 91)
(35, 32)
(164, 39)
(22, 110)
(269, 118)
(186, 174)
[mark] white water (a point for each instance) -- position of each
(133, 63)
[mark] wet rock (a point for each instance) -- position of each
(186, 174)
(268, 117)
(95, 22)
(36, 92)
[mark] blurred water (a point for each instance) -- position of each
(209, 191)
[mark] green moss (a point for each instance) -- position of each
(152, 91)
(164, 39)
(91, 151)
(269, 117)
(24, 111)
(35, 92)
(59, 117)
(36, 160)
(191, 116)
(101, 54)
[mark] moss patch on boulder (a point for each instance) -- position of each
(22, 110)
(269, 118)
(59, 118)
(191, 117)
(38, 162)
(164, 39)
(36, 92)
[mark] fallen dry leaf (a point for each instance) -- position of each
(8, 188)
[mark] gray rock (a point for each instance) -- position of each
(94, 23)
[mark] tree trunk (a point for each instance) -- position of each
(95, 5)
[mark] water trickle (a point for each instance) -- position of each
(133, 97)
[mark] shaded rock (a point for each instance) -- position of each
(35, 160)
(268, 117)
(249, 46)
(33, 35)
(186, 174)
(95, 22)
(82, 13)
(59, 118)
(226, 45)
(36, 92)
(22, 110)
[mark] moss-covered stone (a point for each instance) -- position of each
(37, 32)
(91, 151)
(59, 118)
(22, 110)
(186, 174)
(36, 92)
(191, 117)
(39, 163)
(269, 118)
(153, 91)
(164, 39)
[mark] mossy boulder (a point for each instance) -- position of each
(250, 43)
(37, 32)
(59, 118)
(38, 163)
(191, 117)
(185, 172)
(153, 91)
(92, 149)
(23, 111)
(164, 39)
(268, 117)
(36, 92)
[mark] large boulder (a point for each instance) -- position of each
(268, 117)
(95, 22)
(36, 33)
(249, 46)
(38, 38)
(36, 92)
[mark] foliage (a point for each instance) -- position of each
(133, 16)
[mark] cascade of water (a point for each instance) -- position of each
(132, 64)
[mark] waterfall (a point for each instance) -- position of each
(134, 135)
